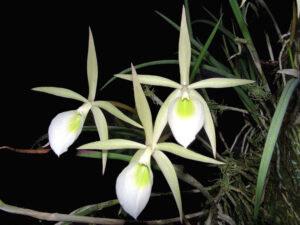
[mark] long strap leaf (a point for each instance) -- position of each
(203, 51)
(271, 139)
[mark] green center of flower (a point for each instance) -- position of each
(185, 108)
(142, 175)
(74, 123)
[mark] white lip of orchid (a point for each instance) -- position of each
(64, 130)
(61, 137)
(186, 118)
(133, 187)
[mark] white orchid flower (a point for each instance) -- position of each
(133, 187)
(62, 132)
(134, 183)
(188, 112)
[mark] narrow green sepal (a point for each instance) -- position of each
(151, 80)
(162, 116)
(107, 106)
(209, 126)
(92, 67)
(113, 144)
(185, 153)
(184, 50)
(220, 83)
(169, 173)
(61, 92)
(142, 107)
(102, 129)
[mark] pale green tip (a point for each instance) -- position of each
(185, 108)
(142, 176)
(74, 123)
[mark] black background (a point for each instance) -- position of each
(45, 44)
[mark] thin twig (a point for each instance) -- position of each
(27, 151)
(238, 135)
(192, 181)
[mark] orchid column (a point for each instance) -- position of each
(188, 112)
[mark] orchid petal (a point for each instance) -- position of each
(151, 80)
(185, 118)
(102, 129)
(209, 126)
(219, 83)
(107, 106)
(169, 173)
(113, 144)
(162, 116)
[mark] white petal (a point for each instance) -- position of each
(133, 188)
(185, 118)
(64, 130)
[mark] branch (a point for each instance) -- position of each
(58, 216)
(87, 219)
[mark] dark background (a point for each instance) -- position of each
(45, 44)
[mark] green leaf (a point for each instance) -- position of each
(107, 106)
(61, 92)
(98, 155)
(102, 129)
(203, 51)
(151, 80)
(184, 51)
(209, 126)
(185, 153)
(244, 29)
(113, 144)
(220, 83)
(162, 116)
(221, 28)
(92, 67)
(272, 139)
(142, 107)
(169, 173)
